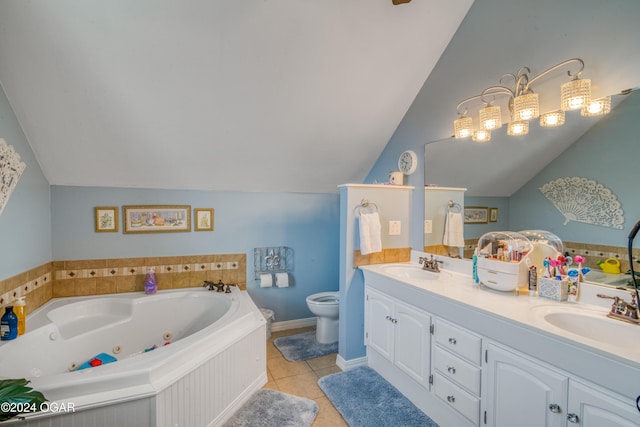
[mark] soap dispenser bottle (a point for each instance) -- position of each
(20, 309)
(8, 325)
(150, 284)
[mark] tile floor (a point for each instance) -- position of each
(301, 378)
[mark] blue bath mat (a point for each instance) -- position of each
(303, 346)
(271, 408)
(365, 399)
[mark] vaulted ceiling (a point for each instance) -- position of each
(255, 95)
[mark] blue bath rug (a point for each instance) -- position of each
(271, 408)
(303, 346)
(365, 399)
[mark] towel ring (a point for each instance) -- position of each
(453, 206)
(364, 204)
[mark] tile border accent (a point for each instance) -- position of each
(106, 276)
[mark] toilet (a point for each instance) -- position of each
(325, 305)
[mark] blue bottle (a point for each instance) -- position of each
(8, 325)
(150, 284)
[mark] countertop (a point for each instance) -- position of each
(529, 312)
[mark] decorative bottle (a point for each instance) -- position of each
(150, 284)
(20, 309)
(8, 325)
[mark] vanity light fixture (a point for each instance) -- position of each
(552, 119)
(596, 107)
(523, 102)
(481, 135)
(518, 128)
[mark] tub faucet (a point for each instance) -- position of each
(218, 287)
(622, 310)
(430, 264)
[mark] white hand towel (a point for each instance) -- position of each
(370, 233)
(453, 230)
(266, 280)
(282, 280)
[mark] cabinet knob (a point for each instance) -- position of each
(451, 370)
(573, 418)
(451, 399)
(452, 341)
(394, 320)
(555, 408)
(388, 317)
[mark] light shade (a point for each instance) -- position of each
(575, 94)
(525, 107)
(463, 127)
(596, 107)
(490, 118)
(552, 119)
(518, 128)
(481, 135)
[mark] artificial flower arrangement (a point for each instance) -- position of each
(559, 269)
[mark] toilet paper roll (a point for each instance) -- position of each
(282, 280)
(266, 280)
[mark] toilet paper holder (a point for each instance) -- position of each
(273, 259)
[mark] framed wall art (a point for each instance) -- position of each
(493, 214)
(203, 219)
(156, 218)
(106, 219)
(475, 215)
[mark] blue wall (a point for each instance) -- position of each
(25, 223)
(308, 223)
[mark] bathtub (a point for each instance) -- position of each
(186, 357)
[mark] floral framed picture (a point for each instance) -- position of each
(203, 219)
(493, 214)
(475, 215)
(156, 218)
(106, 218)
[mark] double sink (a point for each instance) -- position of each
(580, 320)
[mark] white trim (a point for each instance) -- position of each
(396, 187)
(293, 324)
(347, 365)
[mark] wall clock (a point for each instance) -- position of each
(408, 162)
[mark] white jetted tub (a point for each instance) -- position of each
(185, 357)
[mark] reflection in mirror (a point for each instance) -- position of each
(506, 174)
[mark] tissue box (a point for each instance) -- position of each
(553, 289)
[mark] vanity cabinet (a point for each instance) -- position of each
(456, 368)
(475, 369)
(400, 333)
(527, 392)
(591, 406)
(523, 392)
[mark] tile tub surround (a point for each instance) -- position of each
(106, 276)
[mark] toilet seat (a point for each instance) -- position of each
(324, 298)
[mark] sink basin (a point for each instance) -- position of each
(411, 272)
(595, 326)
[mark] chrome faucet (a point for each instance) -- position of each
(430, 264)
(622, 310)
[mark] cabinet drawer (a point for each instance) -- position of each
(463, 402)
(457, 370)
(458, 340)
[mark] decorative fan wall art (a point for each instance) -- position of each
(11, 167)
(584, 200)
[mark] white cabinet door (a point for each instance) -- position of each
(521, 392)
(412, 342)
(590, 407)
(378, 324)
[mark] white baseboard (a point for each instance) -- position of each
(293, 324)
(346, 365)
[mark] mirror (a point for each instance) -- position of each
(505, 175)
